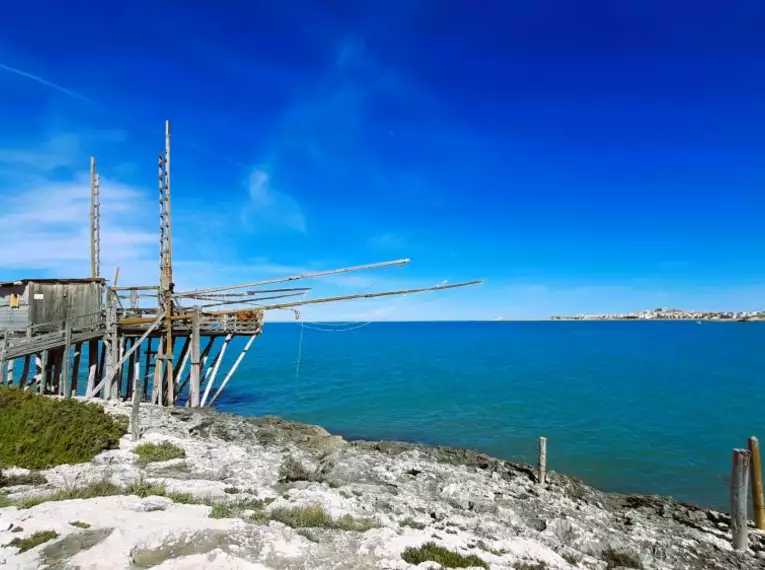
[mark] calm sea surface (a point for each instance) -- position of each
(645, 407)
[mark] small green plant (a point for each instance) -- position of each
(531, 566)
(615, 559)
(4, 500)
(431, 552)
(315, 516)
(571, 558)
(144, 489)
(181, 498)
(17, 528)
(37, 432)
(36, 539)
(222, 511)
(153, 452)
(231, 490)
(98, 489)
(32, 478)
(293, 470)
(80, 524)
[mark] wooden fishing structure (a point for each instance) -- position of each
(166, 353)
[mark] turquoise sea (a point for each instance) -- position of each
(639, 407)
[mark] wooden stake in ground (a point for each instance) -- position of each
(542, 460)
(756, 467)
(739, 483)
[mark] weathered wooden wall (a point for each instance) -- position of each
(53, 303)
(14, 319)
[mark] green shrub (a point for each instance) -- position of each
(431, 552)
(26, 479)
(617, 559)
(222, 511)
(36, 539)
(80, 524)
(316, 517)
(37, 432)
(152, 452)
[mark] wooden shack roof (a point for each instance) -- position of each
(59, 281)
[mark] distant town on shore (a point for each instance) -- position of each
(670, 315)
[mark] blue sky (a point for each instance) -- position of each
(580, 157)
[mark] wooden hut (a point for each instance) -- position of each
(44, 305)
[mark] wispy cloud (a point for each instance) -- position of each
(269, 208)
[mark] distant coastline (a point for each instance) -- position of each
(670, 315)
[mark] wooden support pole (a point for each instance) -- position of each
(147, 366)
(58, 357)
(542, 460)
(10, 372)
(43, 371)
(129, 342)
(178, 373)
(757, 499)
(25, 371)
(195, 359)
(202, 360)
(127, 355)
(92, 365)
(66, 385)
(135, 428)
(3, 352)
(739, 483)
(215, 368)
(233, 369)
(76, 367)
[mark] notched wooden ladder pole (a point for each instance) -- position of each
(756, 468)
(738, 498)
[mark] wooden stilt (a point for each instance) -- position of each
(147, 367)
(203, 360)
(3, 351)
(76, 367)
(92, 365)
(233, 369)
(25, 371)
(66, 354)
(44, 371)
(137, 381)
(195, 357)
(129, 342)
(9, 381)
(178, 372)
(216, 366)
(756, 467)
(58, 355)
(102, 361)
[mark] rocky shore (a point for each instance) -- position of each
(263, 493)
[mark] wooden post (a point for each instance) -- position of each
(215, 368)
(195, 360)
(233, 369)
(43, 371)
(92, 364)
(135, 428)
(76, 366)
(738, 498)
(58, 357)
(25, 371)
(147, 365)
(3, 351)
(178, 374)
(542, 460)
(129, 342)
(66, 361)
(757, 499)
(9, 381)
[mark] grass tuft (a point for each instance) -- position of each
(222, 511)
(80, 524)
(38, 432)
(431, 552)
(36, 539)
(616, 559)
(153, 452)
(316, 517)
(572, 559)
(293, 470)
(26, 479)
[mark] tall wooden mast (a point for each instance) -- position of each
(95, 221)
(164, 362)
